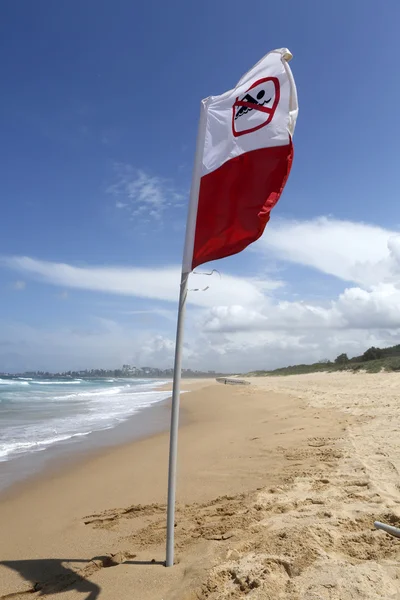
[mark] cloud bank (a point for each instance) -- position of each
(240, 323)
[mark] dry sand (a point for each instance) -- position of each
(279, 485)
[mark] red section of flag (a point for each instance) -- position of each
(236, 199)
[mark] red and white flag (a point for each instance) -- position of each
(243, 158)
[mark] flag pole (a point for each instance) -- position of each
(176, 388)
(173, 440)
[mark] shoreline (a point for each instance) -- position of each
(29, 466)
(232, 441)
(145, 424)
(31, 469)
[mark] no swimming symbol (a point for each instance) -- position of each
(256, 107)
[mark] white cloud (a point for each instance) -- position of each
(358, 252)
(240, 323)
(273, 317)
(144, 196)
(248, 345)
(156, 284)
(107, 343)
(102, 343)
(378, 308)
(241, 352)
(160, 350)
(18, 286)
(355, 308)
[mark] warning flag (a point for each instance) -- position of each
(243, 158)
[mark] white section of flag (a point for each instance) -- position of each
(221, 144)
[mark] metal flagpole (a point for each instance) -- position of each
(186, 269)
(173, 440)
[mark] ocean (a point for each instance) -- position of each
(42, 418)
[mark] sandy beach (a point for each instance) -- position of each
(279, 484)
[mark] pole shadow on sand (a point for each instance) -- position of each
(51, 576)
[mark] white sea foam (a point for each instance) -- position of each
(34, 418)
(72, 382)
(36, 446)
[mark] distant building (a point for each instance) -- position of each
(130, 370)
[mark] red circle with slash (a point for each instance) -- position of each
(268, 111)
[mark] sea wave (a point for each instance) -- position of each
(34, 416)
(11, 448)
(112, 391)
(13, 382)
(29, 381)
(72, 382)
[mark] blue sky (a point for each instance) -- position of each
(98, 120)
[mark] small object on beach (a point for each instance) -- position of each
(395, 531)
(232, 381)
